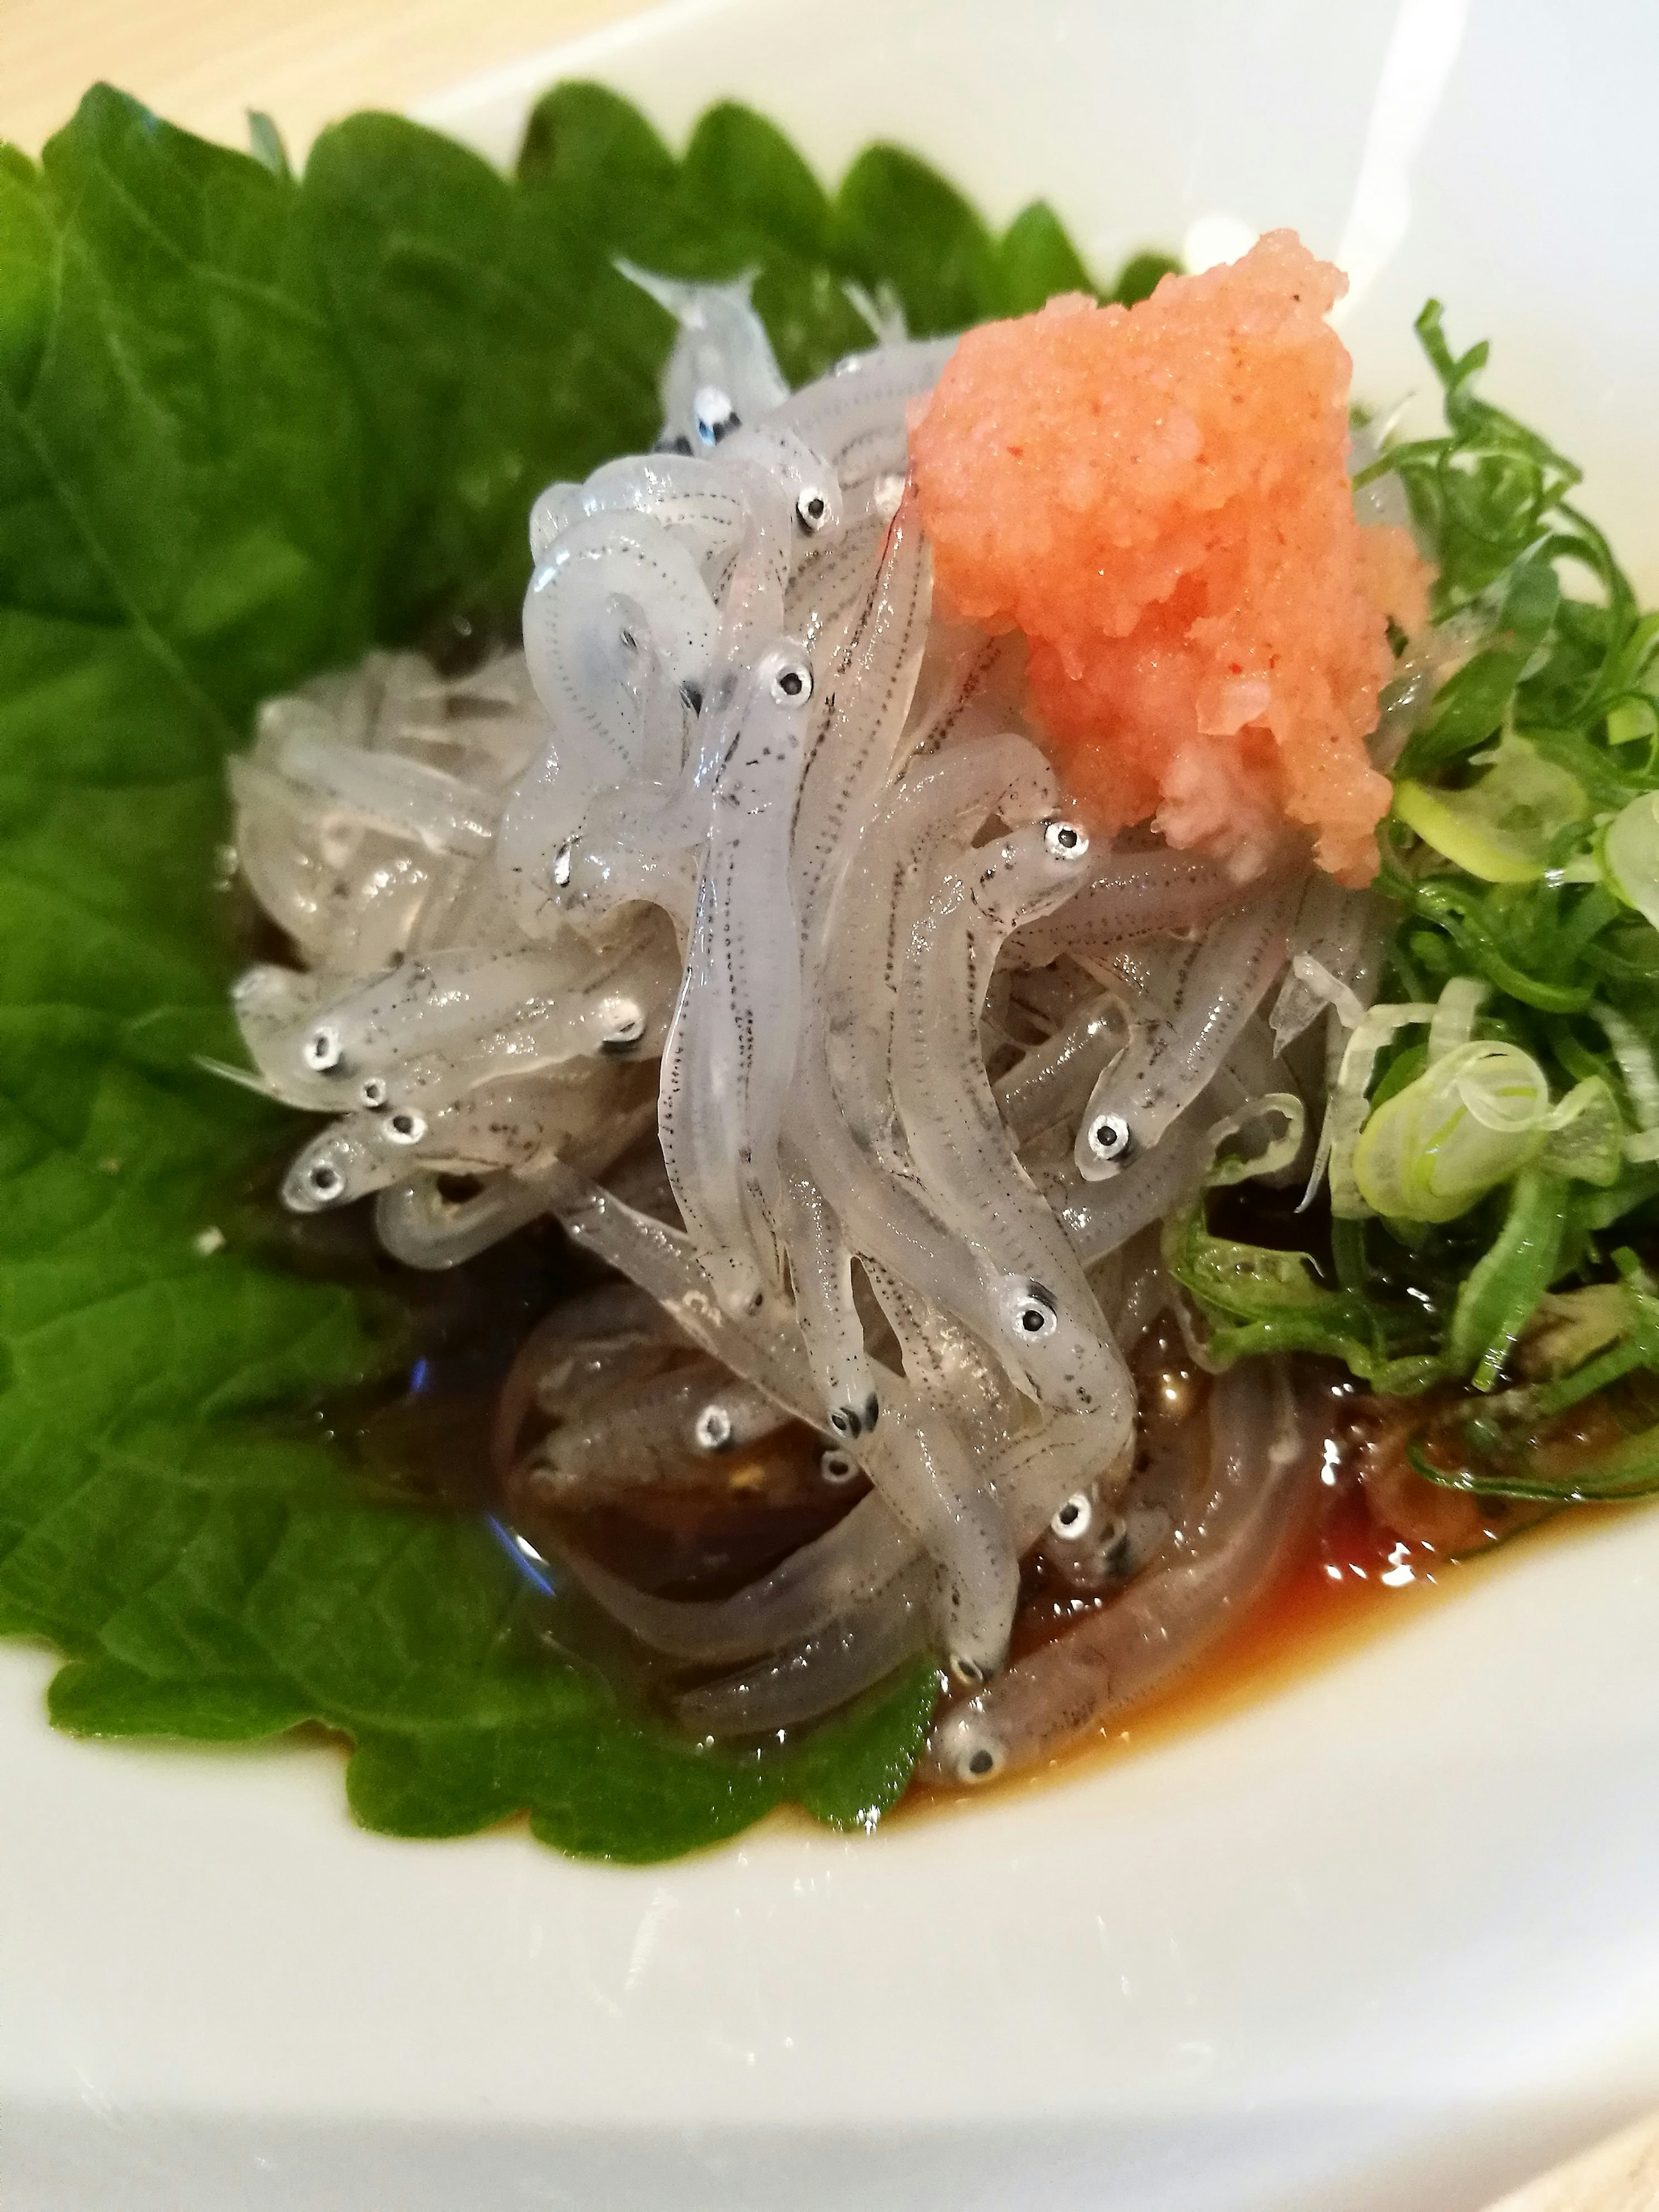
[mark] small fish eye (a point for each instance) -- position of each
(1064, 840)
(561, 860)
(326, 1182)
(837, 1466)
(1071, 1523)
(1031, 1312)
(792, 686)
(844, 1422)
(979, 1765)
(813, 509)
(405, 1128)
(629, 638)
(692, 695)
(713, 415)
(373, 1092)
(1109, 1137)
(625, 1026)
(322, 1048)
(967, 1671)
(712, 1429)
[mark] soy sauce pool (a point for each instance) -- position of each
(425, 1440)
(1352, 1579)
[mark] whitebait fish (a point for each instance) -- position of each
(764, 925)
(1224, 1547)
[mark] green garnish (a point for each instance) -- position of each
(1505, 827)
(1474, 1174)
(250, 426)
(1590, 1429)
(1630, 846)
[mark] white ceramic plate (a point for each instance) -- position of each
(1391, 1938)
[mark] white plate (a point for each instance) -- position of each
(1391, 1937)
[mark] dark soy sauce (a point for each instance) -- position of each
(421, 1438)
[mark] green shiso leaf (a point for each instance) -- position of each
(898, 222)
(264, 143)
(250, 425)
(1142, 275)
(1036, 259)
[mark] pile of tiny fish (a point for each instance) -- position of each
(740, 924)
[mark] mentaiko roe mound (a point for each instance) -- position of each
(1158, 497)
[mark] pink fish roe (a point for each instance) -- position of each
(1158, 497)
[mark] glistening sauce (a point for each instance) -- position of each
(424, 1439)
(1350, 1580)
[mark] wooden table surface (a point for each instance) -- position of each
(1619, 2175)
(204, 63)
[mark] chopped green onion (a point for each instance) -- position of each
(1344, 1112)
(1586, 1140)
(1453, 1021)
(1472, 1119)
(1632, 721)
(1629, 1470)
(1474, 701)
(1501, 828)
(1570, 1327)
(1476, 1167)
(1275, 1150)
(1629, 853)
(1506, 1283)
(1635, 1060)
